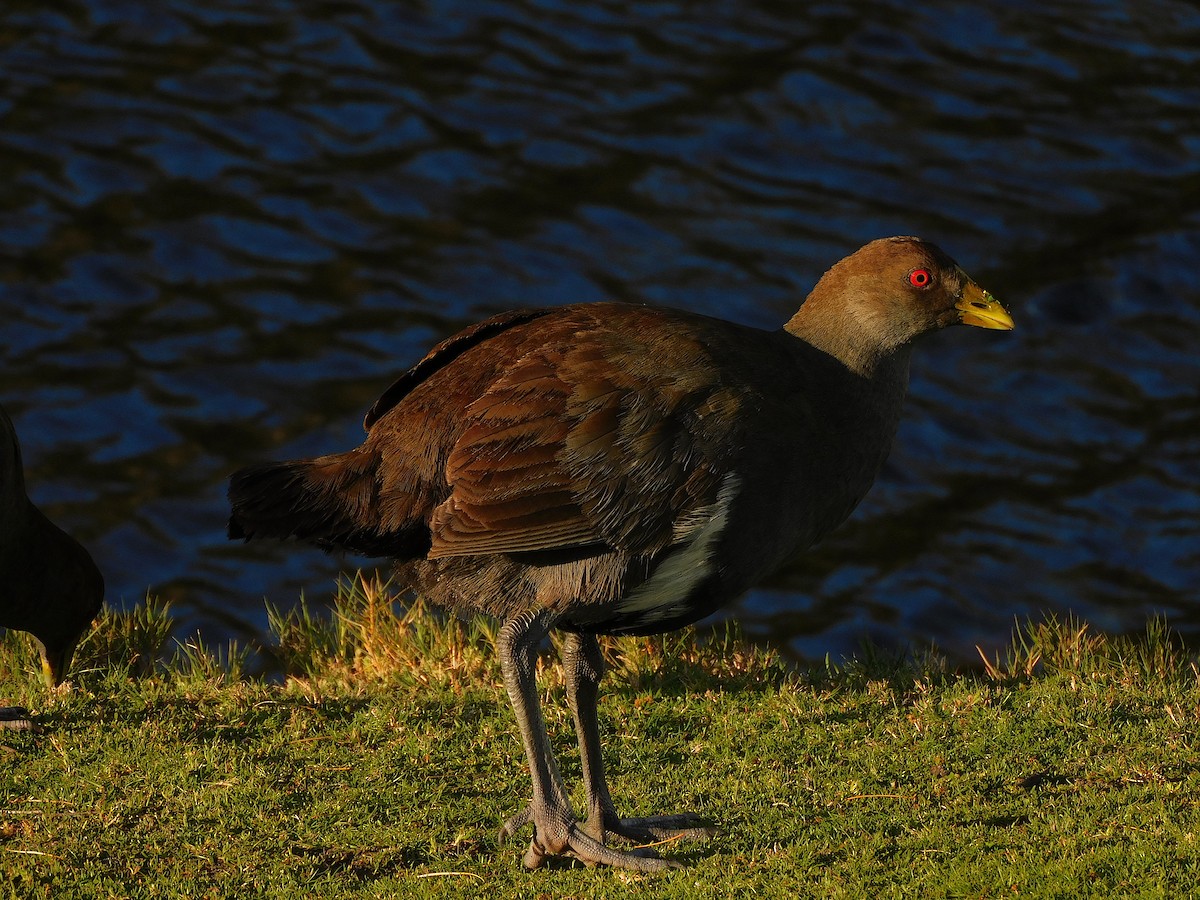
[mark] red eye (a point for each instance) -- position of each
(920, 278)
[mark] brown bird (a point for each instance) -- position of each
(49, 585)
(619, 469)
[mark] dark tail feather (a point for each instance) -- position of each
(330, 501)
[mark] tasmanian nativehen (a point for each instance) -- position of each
(619, 469)
(49, 585)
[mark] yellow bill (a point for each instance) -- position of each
(980, 308)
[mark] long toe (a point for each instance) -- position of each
(681, 826)
(591, 852)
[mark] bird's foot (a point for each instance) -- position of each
(15, 718)
(559, 834)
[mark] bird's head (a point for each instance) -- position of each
(898, 288)
(887, 293)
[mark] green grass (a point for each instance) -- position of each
(384, 763)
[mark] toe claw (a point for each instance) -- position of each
(513, 824)
(535, 856)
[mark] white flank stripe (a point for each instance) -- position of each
(688, 562)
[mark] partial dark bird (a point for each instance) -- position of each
(49, 585)
(619, 469)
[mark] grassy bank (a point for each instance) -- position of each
(385, 762)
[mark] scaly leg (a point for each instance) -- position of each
(583, 664)
(555, 830)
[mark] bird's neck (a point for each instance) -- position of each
(848, 317)
(852, 338)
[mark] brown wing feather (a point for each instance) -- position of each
(443, 355)
(508, 491)
(569, 449)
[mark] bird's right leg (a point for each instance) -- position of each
(555, 829)
(583, 667)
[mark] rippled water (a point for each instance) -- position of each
(225, 226)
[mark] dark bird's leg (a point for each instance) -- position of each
(555, 829)
(583, 664)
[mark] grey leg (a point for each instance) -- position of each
(555, 831)
(583, 664)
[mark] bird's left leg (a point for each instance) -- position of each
(583, 666)
(555, 830)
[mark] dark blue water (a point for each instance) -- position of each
(225, 226)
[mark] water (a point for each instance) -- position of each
(225, 226)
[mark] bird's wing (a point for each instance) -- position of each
(586, 444)
(443, 355)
